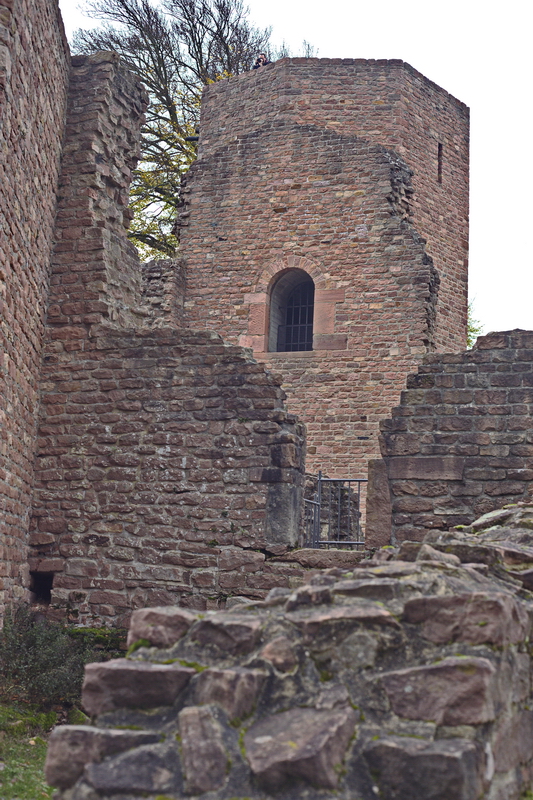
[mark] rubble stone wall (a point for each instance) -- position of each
(166, 459)
(34, 73)
(406, 676)
(96, 275)
(461, 443)
(163, 292)
(339, 209)
(167, 462)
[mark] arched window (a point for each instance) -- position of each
(291, 312)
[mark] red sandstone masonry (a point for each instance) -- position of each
(96, 275)
(162, 455)
(163, 292)
(34, 70)
(460, 443)
(292, 196)
(166, 458)
(384, 102)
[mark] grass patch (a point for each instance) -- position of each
(23, 735)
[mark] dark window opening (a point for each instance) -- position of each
(297, 332)
(291, 312)
(41, 584)
(439, 162)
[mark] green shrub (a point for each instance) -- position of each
(43, 662)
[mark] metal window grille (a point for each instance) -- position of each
(333, 515)
(297, 332)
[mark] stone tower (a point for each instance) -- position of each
(325, 225)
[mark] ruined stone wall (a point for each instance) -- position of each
(163, 292)
(407, 677)
(96, 275)
(460, 443)
(292, 196)
(166, 462)
(384, 102)
(166, 459)
(34, 72)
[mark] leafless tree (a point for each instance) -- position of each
(176, 47)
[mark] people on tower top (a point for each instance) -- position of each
(261, 61)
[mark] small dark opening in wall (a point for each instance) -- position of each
(41, 584)
(439, 162)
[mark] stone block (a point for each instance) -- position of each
(235, 690)
(301, 743)
(322, 559)
(476, 618)
(378, 505)
(161, 626)
(132, 684)
(380, 589)
(308, 595)
(205, 760)
(426, 468)
(413, 769)
(330, 341)
(231, 633)
(319, 625)
(153, 769)
(428, 553)
(455, 691)
(71, 747)
(280, 652)
(513, 743)
(234, 557)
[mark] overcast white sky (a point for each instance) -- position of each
(481, 53)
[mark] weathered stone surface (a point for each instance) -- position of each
(495, 517)
(323, 559)
(162, 626)
(524, 576)
(513, 743)
(438, 668)
(474, 618)
(377, 589)
(468, 453)
(301, 743)
(205, 761)
(378, 504)
(132, 684)
(456, 691)
(434, 468)
(319, 624)
(411, 769)
(152, 768)
(71, 747)
(428, 553)
(235, 690)
(280, 653)
(228, 632)
(308, 595)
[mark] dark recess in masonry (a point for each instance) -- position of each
(41, 584)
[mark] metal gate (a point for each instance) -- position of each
(333, 514)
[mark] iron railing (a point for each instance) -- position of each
(333, 514)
